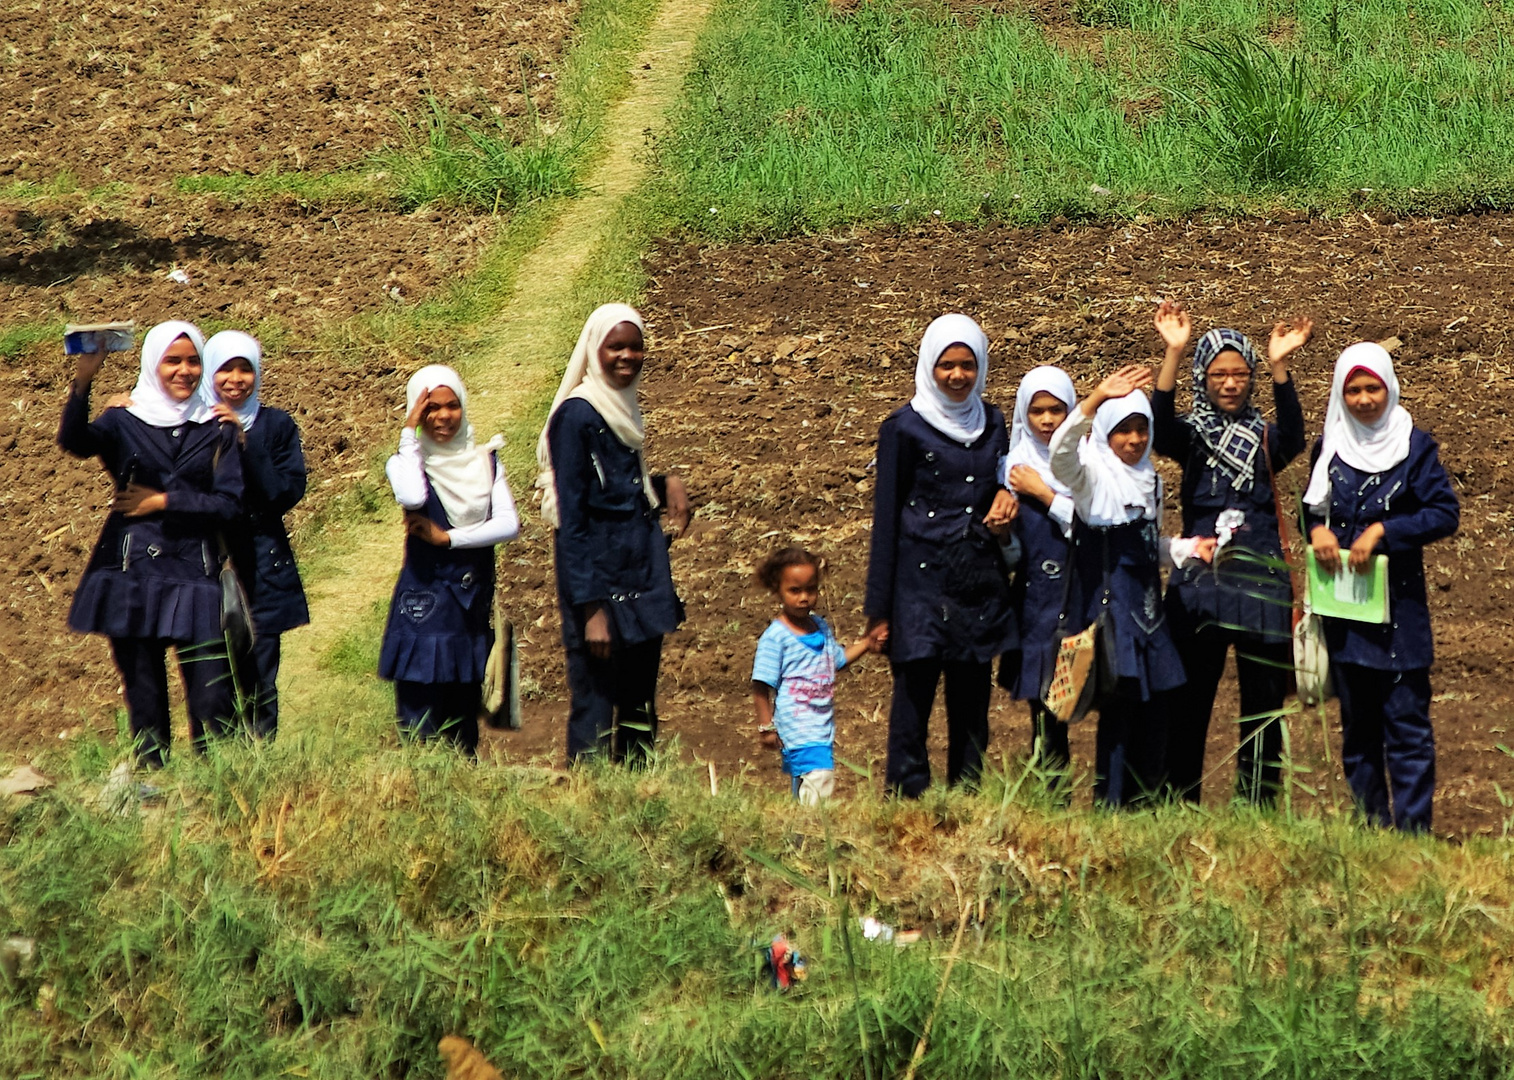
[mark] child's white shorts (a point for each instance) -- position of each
(815, 785)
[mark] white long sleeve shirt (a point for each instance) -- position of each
(406, 470)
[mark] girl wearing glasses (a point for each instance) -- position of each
(1230, 455)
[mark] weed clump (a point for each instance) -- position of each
(449, 158)
(1266, 120)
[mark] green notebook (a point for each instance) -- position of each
(1349, 595)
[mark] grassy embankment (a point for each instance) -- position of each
(328, 907)
(801, 117)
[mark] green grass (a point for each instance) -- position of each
(18, 339)
(800, 117)
(495, 164)
(331, 905)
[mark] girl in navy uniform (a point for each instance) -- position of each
(1043, 401)
(614, 580)
(457, 506)
(273, 472)
(938, 594)
(152, 581)
(1118, 551)
(1377, 488)
(1230, 455)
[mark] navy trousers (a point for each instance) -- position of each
(1262, 669)
(1388, 748)
(259, 683)
(427, 711)
(614, 702)
(207, 693)
(969, 686)
(1130, 747)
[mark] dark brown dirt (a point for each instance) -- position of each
(123, 91)
(773, 364)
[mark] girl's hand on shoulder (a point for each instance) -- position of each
(1287, 339)
(419, 412)
(680, 512)
(119, 401)
(1003, 511)
(1365, 547)
(423, 528)
(1327, 549)
(1026, 481)
(1174, 324)
(227, 415)
(134, 501)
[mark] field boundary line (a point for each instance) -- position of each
(520, 352)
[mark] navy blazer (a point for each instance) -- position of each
(1416, 504)
(609, 547)
(273, 468)
(1237, 592)
(934, 570)
(156, 576)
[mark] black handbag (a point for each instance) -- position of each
(1083, 672)
(236, 610)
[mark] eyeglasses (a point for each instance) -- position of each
(1220, 378)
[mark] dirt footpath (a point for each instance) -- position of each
(773, 364)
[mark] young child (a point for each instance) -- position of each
(794, 675)
(1377, 487)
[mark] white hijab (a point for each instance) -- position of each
(1024, 447)
(458, 470)
(964, 421)
(585, 379)
(1371, 448)
(152, 404)
(220, 350)
(1121, 493)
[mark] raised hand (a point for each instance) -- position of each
(88, 366)
(419, 412)
(1173, 324)
(1127, 380)
(1288, 339)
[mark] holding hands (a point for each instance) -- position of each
(1002, 513)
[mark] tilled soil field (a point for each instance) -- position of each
(126, 99)
(772, 366)
(126, 91)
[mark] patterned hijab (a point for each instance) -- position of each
(1232, 439)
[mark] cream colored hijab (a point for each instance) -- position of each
(458, 470)
(585, 379)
